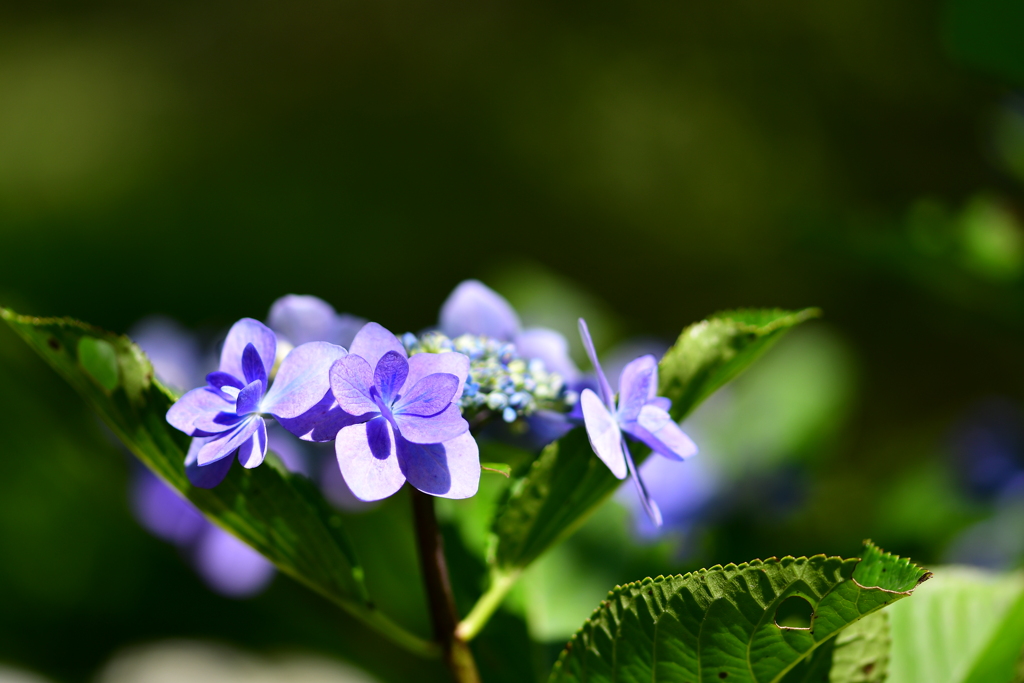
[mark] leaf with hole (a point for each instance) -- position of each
(719, 624)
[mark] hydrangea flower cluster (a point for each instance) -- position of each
(500, 381)
(400, 410)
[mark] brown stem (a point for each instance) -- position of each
(439, 590)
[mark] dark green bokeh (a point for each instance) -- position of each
(666, 159)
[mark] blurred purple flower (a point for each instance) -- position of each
(639, 412)
(225, 416)
(300, 319)
(226, 565)
(685, 494)
(407, 425)
(475, 308)
(174, 351)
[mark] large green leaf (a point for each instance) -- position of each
(567, 482)
(719, 624)
(280, 514)
(859, 654)
(968, 627)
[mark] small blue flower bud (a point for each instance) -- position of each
(509, 415)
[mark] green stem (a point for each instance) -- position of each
(488, 603)
(443, 613)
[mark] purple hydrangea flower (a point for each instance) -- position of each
(226, 416)
(227, 565)
(639, 413)
(299, 319)
(406, 425)
(475, 308)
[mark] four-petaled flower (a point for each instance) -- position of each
(407, 422)
(227, 415)
(640, 413)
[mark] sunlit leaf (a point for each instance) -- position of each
(719, 624)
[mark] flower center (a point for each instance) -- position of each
(384, 408)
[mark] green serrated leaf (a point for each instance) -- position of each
(280, 514)
(859, 654)
(567, 482)
(719, 624)
(968, 627)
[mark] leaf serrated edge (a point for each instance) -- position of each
(618, 590)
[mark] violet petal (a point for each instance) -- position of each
(607, 395)
(351, 378)
(368, 476)
(204, 477)
(389, 375)
(604, 433)
(661, 402)
(247, 331)
(636, 386)
(429, 396)
(438, 428)
(658, 430)
(252, 365)
(322, 422)
(302, 318)
(252, 452)
(229, 566)
(475, 308)
(219, 380)
(449, 362)
(249, 398)
(450, 469)
(302, 381)
(649, 505)
(549, 346)
(197, 410)
(223, 445)
(372, 342)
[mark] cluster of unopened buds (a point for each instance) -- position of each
(410, 408)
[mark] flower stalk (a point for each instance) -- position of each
(441, 600)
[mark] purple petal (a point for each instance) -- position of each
(252, 452)
(373, 341)
(247, 331)
(438, 428)
(336, 491)
(302, 318)
(603, 432)
(204, 477)
(450, 362)
(645, 499)
(322, 422)
(450, 469)
(637, 384)
(249, 398)
(223, 445)
(173, 351)
(429, 396)
(252, 365)
(229, 566)
(302, 381)
(661, 402)
(475, 308)
(550, 347)
(219, 380)
(657, 429)
(163, 512)
(389, 375)
(351, 378)
(602, 382)
(198, 409)
(295, 455)
(547, 426)
(369, 476)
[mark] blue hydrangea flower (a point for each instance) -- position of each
(226, 416)
(639, 413)
(406, 420)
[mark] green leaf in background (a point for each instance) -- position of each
(567, 482)
(859, 654)
(968, 627)
(719, 624)
(280, 514)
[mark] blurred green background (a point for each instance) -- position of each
(644, 164)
